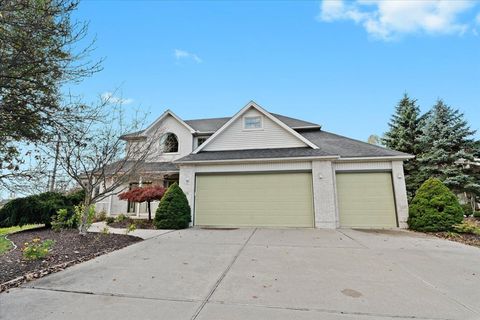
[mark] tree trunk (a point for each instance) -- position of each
(84, 223)
(149, 211)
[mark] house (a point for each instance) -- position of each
(263, 169)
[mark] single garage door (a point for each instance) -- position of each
(366, 200)
(254, 200)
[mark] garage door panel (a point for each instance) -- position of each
(266, 199)
(366, 200)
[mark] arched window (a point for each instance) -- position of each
(169, 143)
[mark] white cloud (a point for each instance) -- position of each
(389, 19)
(182, 54)
(110, 97)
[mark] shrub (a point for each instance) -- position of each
(110, 220)
(79, 213)
(37, 249)
(121, 217)
(476, 214)
(467, 227)
(76, 197)
(173, 211)
(64, 219)
(434, 208)
(100, 216)
(467, 210)
(36, 209)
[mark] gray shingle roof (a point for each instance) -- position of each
(207, 125)
(329, 145)
(346, 147)
(142, 167)
(211, 125)
(253, 154)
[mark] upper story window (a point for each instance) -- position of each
(252, 123)
(169, 143)
(201, 140)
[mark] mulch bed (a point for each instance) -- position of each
(70, 248)
(465, 238)
(139, 224)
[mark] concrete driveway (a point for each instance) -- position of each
(263, 274)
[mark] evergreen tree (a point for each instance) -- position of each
(447, 145)
(403, 135)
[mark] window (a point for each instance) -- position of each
(200, 141)
(251, 123)
(169, 143)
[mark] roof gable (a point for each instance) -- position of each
(292, 137)
(163, 116)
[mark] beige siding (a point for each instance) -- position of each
(366, 200)
(268, 200)
(271, 136)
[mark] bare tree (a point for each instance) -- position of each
(99, 160)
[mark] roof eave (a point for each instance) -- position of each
(252, 160)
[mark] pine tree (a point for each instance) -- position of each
(447, 145)
(403, 135)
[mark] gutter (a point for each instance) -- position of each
(258, 160)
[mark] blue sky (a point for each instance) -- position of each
(341, 64)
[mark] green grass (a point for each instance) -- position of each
(9, 230)
(5, 244)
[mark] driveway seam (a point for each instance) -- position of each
(435, 288)
(346, 235)
(330, 311)
(106, 294)
(222, 276)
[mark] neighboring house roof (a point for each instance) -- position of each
(329, 145)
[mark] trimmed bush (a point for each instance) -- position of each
(36, 209)
(434, 208)
(173, 212)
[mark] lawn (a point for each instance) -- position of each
(5, 244)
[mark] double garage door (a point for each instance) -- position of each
(286, 200)
(254, 199)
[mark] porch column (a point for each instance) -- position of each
(187, 183)
(324, 195)
(400, 191)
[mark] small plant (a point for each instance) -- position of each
(467, 227)
(101, 216)
(476, 214)
(37, 249)
(64, 220)
(110, 220)
(105, 230)
(132, 227)
(121, 217)
(79, 213)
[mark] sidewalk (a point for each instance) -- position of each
(141, 233)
